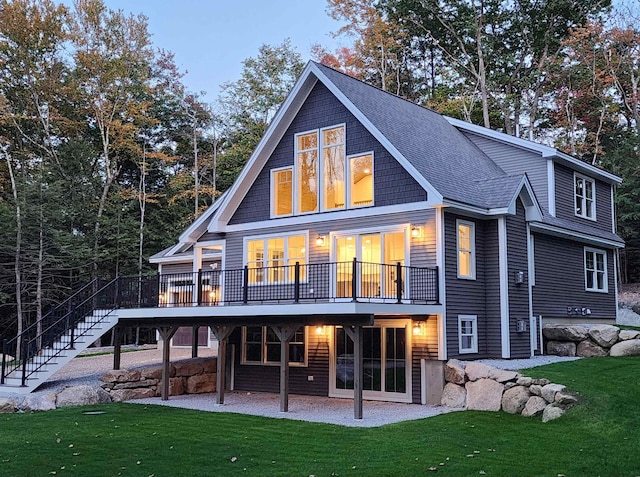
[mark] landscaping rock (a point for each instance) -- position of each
(454, 372)
(503, 375)
(475, 371)
(626, 348)
(509, 385)
(39, 402)
(120, 376)
(589, 349)
(155, 372)
(549, 391)
(176, 386)
(565, 399)
(188, 368)
(604, 335)
(625, 335)
(454, 395)
(552, 412)
(145, 383)
(120, 395)
(515, 399)
(535, 405)
(541, 381)
(561, 348)
(484, 395)
(202, 383)
(209, 365)
(81, 396)
(524, 381)
(7, 406)
(565, 332)
(535, 389)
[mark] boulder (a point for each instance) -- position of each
(176, 386)
(155, 372)
(209, 365)
(535, 389)
(589, 349)
(626, 348)
(561, 348)
(120, 376)
(625, 335)
(39, 402)
(565, 332)
(454, 395)
(81, 396)
(143, 383)
(503, 375)
(454, 372)
(565, 399)
(604, 335)
(541, 381)
(120, 395)
(202, 383)
(515, 399)
(524, 381)
(549, 391)
(7, 406)
(535, 405)
(475, 371)
(484, 395)
(552, 412)
(188, 368)
(509, 385)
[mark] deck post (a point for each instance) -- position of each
(245, 285)
(166, 333)
(296, 280)
(355, 333)
(399, 283)
(354, 280)
(117, 347)
(284, 334)
(194, 341)
(221, 333)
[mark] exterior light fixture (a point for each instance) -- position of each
(416, 231)
(320, 240)
(320, 330)
(418, 328)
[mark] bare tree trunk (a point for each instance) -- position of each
(40, 268)
(195, 162)
(17, 262)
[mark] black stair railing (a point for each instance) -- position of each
(36, 346)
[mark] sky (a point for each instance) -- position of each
(211, 38)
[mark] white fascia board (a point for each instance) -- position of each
(178, 259)
(505, 337)
(545, 151)
(573, 235)
(533, 212)
(265, 147)
(419, 178)
(551, 186)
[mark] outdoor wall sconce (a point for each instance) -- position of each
(416, 231)
(321, 330)
(418, 328)
(320, 240)
(519, 278)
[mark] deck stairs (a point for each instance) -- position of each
(32, 357)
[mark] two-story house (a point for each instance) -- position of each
(439, 238)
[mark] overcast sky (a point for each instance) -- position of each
(210, 39)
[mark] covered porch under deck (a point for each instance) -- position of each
(284, 319)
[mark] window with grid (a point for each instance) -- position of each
(466, 238)
(468, 333)
(585, 197)
(260, 345)
(273, 259)
(595, 269)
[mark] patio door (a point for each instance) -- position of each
(378, 253)
(386, 362)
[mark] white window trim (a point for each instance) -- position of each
(348, 181)
(472, 225)
(264, 362)
(296, 205)
(474, 335)
(272, 191)
(575, 197)
(321, 148)
(606, 272)
(247, 239)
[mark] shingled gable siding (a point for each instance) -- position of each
(565, 199)
(560, 281)
(518, 294)
(392, 184)
(257, 378)
(468, 297)
(515, 160)
(177, 268)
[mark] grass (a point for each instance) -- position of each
(599, 437)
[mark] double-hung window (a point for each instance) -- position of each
(595, 270)
(466, 249)
(585, 197)
(467, 334)
(307, 172)
(282, 187)
(272, 259)
(260, 345)
(333, 161)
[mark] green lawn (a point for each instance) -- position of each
(599, 437)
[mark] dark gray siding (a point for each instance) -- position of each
(518, 294)
(492, 326)
(392, 184)
(514, 160)
(560, 280)
(423, 347)
(565, 200)
(177, 268)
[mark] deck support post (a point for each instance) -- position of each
(222, 335)
(166, 333)
(194, 341)
(284, 334)
(355, 333)
(117, 347)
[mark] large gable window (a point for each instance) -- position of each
(361, 180)
(585, 197)
(282, 187)
(333, 164)
(307, 172)
(595, 270)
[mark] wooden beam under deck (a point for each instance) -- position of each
(166, 333)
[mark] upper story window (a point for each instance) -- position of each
(595, 270)
(361, 180)
(282, 202)
(585, 197)
(307, 172)
(466, 247)
(272, 259)
(333, 161)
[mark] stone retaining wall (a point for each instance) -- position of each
(479, 387)
(191, 376)
(588, 341)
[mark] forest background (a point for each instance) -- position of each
(105, 156)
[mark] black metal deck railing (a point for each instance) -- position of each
(295, 283)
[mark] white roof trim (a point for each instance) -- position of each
(544, 150)
(187, 237)
(572, 234)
